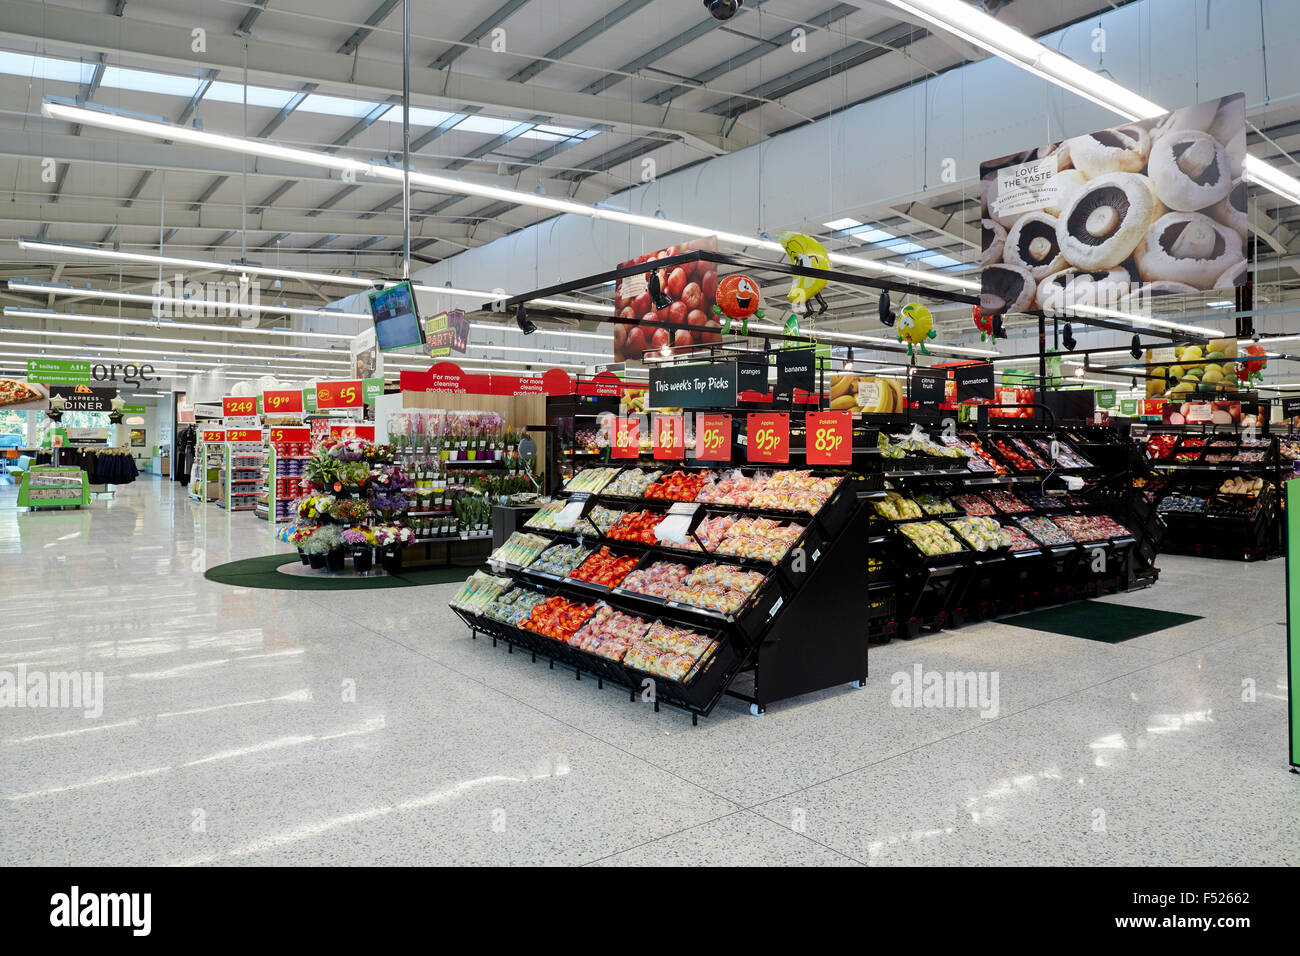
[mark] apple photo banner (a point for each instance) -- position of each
(450, 377)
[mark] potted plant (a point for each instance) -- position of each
(360, 541)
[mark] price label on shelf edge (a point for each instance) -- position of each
(829, 438)
(670, 437)
(769, 437)
(626, 440)
(339, 394)
(713, 437)
(238, 406)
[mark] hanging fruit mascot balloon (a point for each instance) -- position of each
(737, 298)
(1252, 370)
(805, 251)
(985, 323)
(915, 325)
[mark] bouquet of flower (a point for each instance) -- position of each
(392, 535)
(352, 449)
(390, 477)
(301, 532)
(390, 505)
(315, 506)
(358, 538)
(349, 510)
(323, 540)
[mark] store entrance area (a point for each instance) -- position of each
(243, 725)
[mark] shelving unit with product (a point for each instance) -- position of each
(287, 454)
(206, 471)
(702, 578)
(979, 524)
(242, 475)
(1220, 494)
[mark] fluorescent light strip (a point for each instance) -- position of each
(19, 285)
(1010, 44)
(503, 327)
(188, 342)
(1146, 320)
(15, 312)
(102, 118)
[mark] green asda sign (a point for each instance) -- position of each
(1128, 407)
(58, 372)
(1106, 398)
(133, 409)
(371, 388)
(309, 399)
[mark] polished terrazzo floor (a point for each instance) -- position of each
(308, 727)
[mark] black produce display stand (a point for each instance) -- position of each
(507, 519)
(802, 630)
(1231, 526)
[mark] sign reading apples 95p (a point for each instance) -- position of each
(767, 437)
(829, 438)
(713, 437)
(670, 437)
(339, 394)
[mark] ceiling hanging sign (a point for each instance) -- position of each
(687, 293)
(366, 359)
(1066, 222)
(445, 333)
(751, 379)
(693, 386)
(345, 394)
(926, 386)
(602, 384)
(796, 368)
(239, 406)
(82, 398)
(282, 401)
(974, 381)
(58, 372)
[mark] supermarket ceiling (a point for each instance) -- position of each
(568, 96)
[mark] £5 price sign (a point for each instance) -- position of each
(670, 437)
(713, 437)
(233, 406)
(278, 435)
(768, 437)
(829, 438)
(339, 394)
(626, 440)
(282, 402)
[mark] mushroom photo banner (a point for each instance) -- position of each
(1118, 217)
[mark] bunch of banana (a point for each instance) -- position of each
(879, 396)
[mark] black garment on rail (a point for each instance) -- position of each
(184, 455)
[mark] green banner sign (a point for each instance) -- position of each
(134, 409)
(309, 399)
(1106, 398)
(58, 372)
(1128, 407)
(371, 388)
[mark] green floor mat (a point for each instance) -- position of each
(1097, 621)
(261, 573)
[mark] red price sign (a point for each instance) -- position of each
(670, 437)
(829, 438)
(768, 437)
(713, 437)
(214, 436)
(348, 432)
(237, 407)
(290, 434)
(339, 394)
(626, 440)
(282, 402)
(243, 434)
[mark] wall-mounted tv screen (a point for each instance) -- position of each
(397, 322)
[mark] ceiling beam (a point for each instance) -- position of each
(946, 225)
(489, 23)
(580, 39)
(359, 75)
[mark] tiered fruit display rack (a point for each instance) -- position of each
(1065, 546)
(765, 649)
(1219, 494)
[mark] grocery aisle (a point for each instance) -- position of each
(254, 726)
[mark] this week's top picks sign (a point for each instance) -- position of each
(693, 386)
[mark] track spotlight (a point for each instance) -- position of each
(887, 315)
(1133, 383)
(1135, 349)
(522, 320)
(1068, 338)
(722, 9)
(1078, 372)
(657, 296)
(848, 362)
(1087, 362)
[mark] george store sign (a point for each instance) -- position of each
(626, 440)
(828, 438)
(713, 437)
(345, 394)
(669, 437)
(282, 401)
(768, 437)
(693, 386)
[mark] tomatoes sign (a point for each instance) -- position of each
(238, 407)
(626, 440)
(339, 394)
(234, 435)
(286, 402)
(713, 437)
(670, 437)
(768, 437)
(278, 435)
